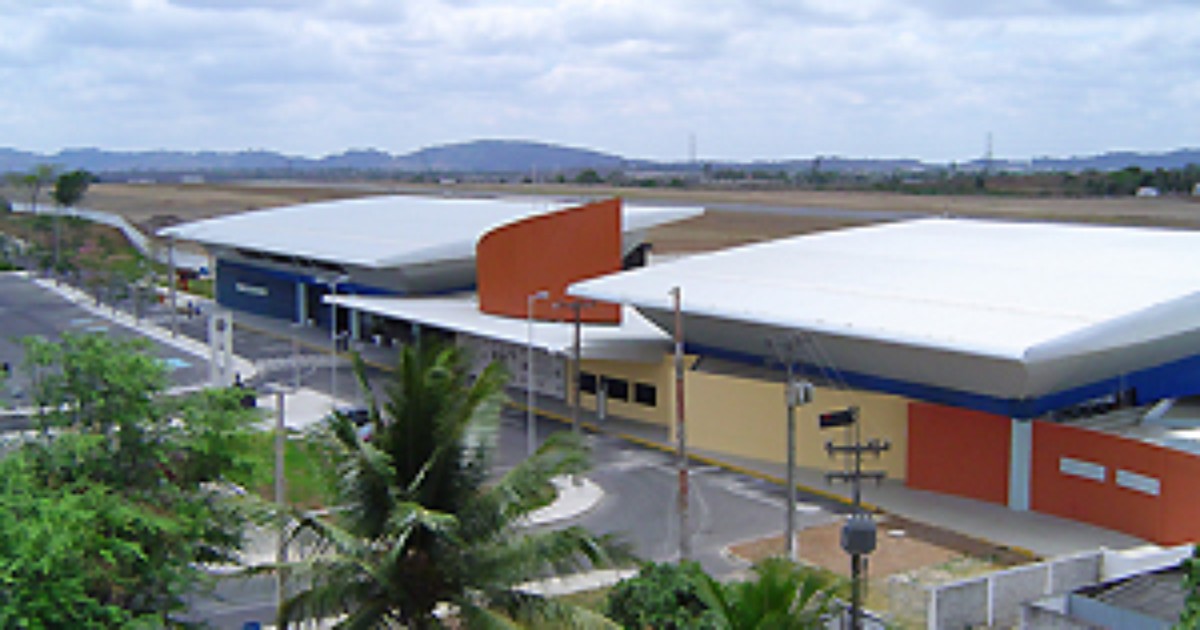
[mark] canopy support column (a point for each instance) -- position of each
(1019, 464)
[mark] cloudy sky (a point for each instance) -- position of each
(746, 79)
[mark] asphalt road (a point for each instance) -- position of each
(28, 310)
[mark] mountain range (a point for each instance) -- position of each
(525, 157)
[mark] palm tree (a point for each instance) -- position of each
(783, 595)
(419, 525)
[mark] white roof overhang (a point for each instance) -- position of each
(388, 232)
(635, 339)
(1006, 310)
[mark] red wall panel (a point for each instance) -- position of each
(1172, 516)
(1180, 499)
(549, 251)
(958, 451)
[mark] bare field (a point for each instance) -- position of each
(166, 204)
(156, 205)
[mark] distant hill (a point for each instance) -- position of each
(520, 157)
(508, 156)
(1118, 160)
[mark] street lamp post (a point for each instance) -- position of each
(798, 393)
(333, 337)
(576, 307)
(530, 421)
(171, 276)
(280, 494)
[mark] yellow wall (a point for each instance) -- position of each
(661, 375)
(748, 418)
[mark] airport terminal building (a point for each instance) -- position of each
(1043, 367)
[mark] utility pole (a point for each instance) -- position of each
(280, 499)
(576, 307)
(171, 274)
(858, 534)
(530, 417)
(685, 543)
(796, 393)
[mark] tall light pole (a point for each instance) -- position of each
(280, 495)
(333, 337)
(530, 421)
(576, 307)
(171, 275)
(796, 393)
(685, 543)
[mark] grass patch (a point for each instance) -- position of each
(202, 287)
(303, 470)
(594, 599)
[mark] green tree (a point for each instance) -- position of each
(1189, 617)
(123, 489)
(70, 187)
(34, 182)
(782, 596)
(419, 524)
(68, 191)
(662, 596)
(588, 176)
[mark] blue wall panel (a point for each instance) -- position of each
(256, 290)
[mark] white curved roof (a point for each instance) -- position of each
(1012, 310)
(387, 231)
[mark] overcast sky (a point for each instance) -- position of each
(762, 79)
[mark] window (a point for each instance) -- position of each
(617, 388)
(645, 394)
(587, 382)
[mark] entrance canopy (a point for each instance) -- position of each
(1013, 318)
(634, 339)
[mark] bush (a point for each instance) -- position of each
(661, 596)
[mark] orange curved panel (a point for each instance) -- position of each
(549, 252)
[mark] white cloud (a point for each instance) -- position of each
(752, 79)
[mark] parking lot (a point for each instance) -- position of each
(29, 310)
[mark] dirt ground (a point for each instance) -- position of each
(908, 555)
(903, 546)
(153, 206)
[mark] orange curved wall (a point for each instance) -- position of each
(550, 252)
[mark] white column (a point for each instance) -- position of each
(220, 341)
(1020, 464)
(301, 302)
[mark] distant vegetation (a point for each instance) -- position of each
(517, 162)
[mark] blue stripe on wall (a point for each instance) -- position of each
(1170, 380)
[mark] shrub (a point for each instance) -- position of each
(662, 596)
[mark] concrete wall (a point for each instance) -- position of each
(748, 418)
(997, 599)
